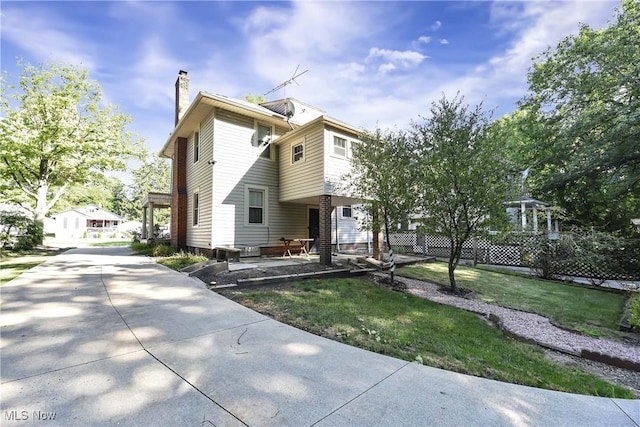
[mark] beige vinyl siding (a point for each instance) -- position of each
(239, 166)
(336, 168)
(199, 180)
(304, 178)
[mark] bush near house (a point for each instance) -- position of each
(587, 253)
(167, 255)
(18, 231)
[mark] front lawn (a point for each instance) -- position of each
(362, 314)
(14, 263)
(592, 311)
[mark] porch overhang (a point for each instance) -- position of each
(336, 200)
(158, 200)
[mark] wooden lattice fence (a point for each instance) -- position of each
(526, 251)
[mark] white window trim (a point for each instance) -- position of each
(197, 132)
(193, 206)
(256, 125)
(304, 151)
(347, 143)
(265, 208)
(342, 212)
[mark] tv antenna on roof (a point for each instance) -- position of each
(288, 82)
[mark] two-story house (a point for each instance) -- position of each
(247, 175)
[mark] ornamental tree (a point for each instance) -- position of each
(56, 131)
(462, 177)
(382, 177)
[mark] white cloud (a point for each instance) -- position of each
(504, 76)
(443, 41)
(46, 37)
(404, 59)
(424, 39)
(436, 26)
(384, 68)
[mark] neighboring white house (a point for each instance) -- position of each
(247, 175)
(88, 221)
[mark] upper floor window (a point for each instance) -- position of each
(263, 137)
(196, 147)
(339, 147)
(297, 152)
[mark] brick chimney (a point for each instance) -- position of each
(182, 94)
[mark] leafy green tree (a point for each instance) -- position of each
(462, 177)
(381, 175)
(584, 96)
(255, 99)
(56, 131)
(101, 193)
(153, 175)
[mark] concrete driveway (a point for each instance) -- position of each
(97, 337)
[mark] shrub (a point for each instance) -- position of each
(587, 253)
(163, 250)
(181, 260)
(18, 231)
(142, 248)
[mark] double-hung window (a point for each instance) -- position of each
(196, 147)
(263, 138)
(339, 147)
(256, 202)
(196, 208)
(297, 152)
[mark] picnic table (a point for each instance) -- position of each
(303, 246)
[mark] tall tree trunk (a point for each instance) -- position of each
(454, 258)
(40, 209)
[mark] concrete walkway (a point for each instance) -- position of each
(97, 337)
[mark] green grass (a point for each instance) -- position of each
(142, 248)
(114, 243)
(181, 260)
(634, 311)
(592, 311)
(359, 313)
(14, 263)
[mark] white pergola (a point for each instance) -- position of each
(534, 206)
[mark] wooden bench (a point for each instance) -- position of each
(227, 253)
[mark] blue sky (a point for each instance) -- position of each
(370, 63)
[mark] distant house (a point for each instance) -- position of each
(247, 175)
(89, 221)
